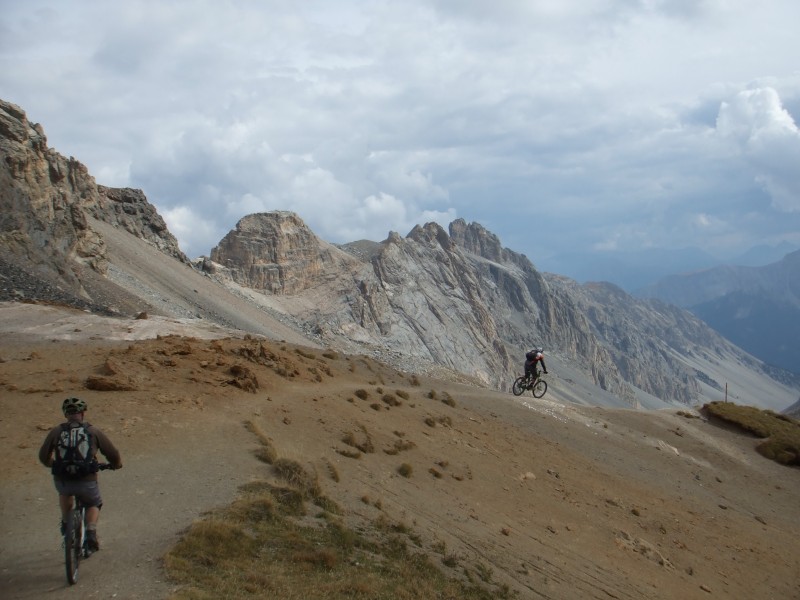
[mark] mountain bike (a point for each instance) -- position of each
(75, 547)
(537, 386)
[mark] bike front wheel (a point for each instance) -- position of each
(539, 388)
(73, 544)
(519, 387)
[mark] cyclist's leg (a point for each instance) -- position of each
(90, 497)
(65, 502)
(65, 499)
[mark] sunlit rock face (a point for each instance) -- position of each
(47, 201)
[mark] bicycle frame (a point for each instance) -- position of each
(74, 540)
(75, 547)
(537, 386)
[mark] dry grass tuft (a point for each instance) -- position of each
(266, 452)
(364, 444)
(391, 400)
(349, 453)
(267, 545)
(333, 471)
(250, 551)
(433, 422)
(293, 473)
(400, 446)
(782, 433)
(211, 543)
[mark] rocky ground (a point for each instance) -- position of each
(559, 501)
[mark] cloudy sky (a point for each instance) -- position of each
(560, 125)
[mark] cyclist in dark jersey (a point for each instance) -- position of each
(531, 358)
(85, 487)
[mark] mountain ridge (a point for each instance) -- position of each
(757, 308)
(454, 300)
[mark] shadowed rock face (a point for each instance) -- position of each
(129, 209)
(455, 299)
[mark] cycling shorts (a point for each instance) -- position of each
(87, 491)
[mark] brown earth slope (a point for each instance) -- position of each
(559, 501)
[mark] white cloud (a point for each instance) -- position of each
(595, 120)
(185, 224)
(765, 133)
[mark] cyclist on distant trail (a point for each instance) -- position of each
(531, 358)
(70, 450)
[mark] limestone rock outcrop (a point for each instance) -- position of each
(43, 197)
(45, 202)
(277, 253)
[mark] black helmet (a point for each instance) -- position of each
(72, 406)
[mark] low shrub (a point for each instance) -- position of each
(781, 433)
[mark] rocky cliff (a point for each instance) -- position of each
(45, 202)
(456, 298)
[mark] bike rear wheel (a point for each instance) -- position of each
(539, 388)
(73, 540)
(520, 385)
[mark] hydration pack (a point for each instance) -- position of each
(531, 355)
(73, 456)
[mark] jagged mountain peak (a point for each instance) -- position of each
(278, 253)
(431, 233)
(477, 239)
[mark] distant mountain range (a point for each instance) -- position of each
(757, 308)
(633, 271)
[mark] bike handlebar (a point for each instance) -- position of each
(105, 467)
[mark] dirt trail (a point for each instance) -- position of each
(178, 462)
(147, 503)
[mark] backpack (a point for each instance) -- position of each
(531, 355)
(73, 456)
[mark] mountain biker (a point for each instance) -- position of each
(531, 358)
(85, 486)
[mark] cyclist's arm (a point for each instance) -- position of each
(46, 451)
(108, 449)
